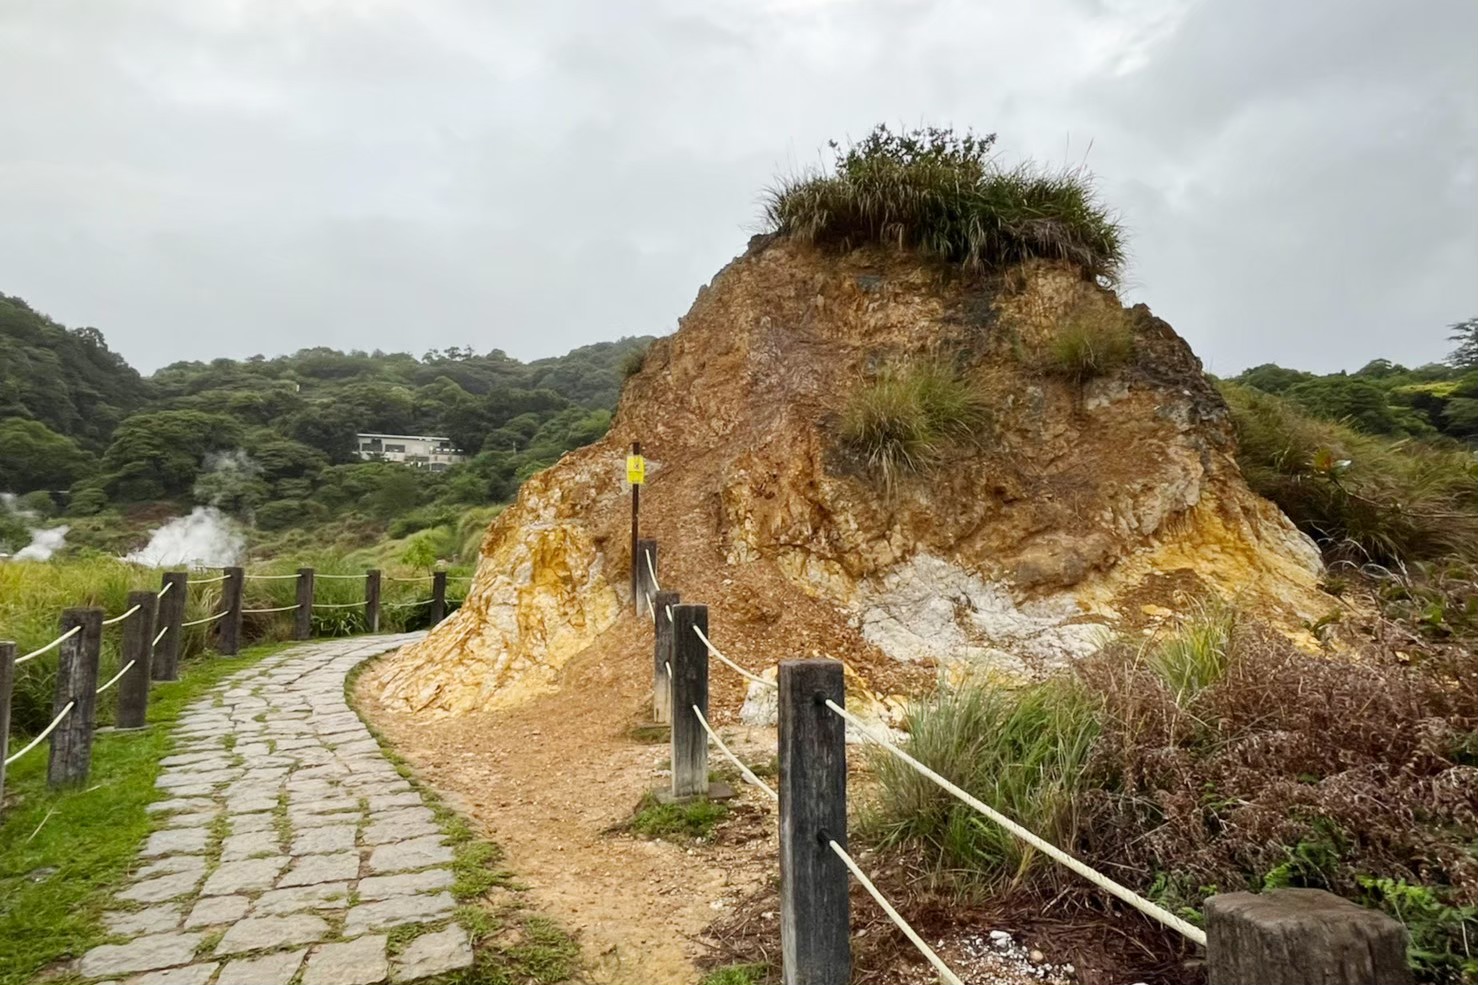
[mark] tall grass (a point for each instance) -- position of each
(1020, 751)
(1361, 496)
(941, 193)
(1090, 342)
(905, 419)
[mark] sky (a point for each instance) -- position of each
(205, 178)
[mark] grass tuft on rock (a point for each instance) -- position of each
(1091, 342)
(904, 421)
(941, 193)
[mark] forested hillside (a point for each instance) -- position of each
(272, 440)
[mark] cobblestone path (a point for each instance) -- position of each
(291, 849)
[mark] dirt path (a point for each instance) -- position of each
(548, 779)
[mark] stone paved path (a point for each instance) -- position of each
(291, 849)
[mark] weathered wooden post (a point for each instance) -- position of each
(815, 942)
(689, 688)
(303, 617)
(662, 656)
(438, 596)
(77, 685)
(372, 600)
(1301, 937)
(646, 582)
(169, 618)
(7, 687)
(138, 646)
(232, 591)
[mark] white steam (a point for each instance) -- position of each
(44, 543)
(206, 537)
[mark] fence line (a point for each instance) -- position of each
(50, 646)
(392, 605)
(116, 677)
(165, 590)
(898, 921)
(210, 618)
(744, 771)
(269, 577)
(1098, 879)
(119, 618)
(713, 650)
(159, 636)
(208, 581)
(336, 605)
(280, 608)
(44, 733)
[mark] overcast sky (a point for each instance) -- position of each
(201, 178)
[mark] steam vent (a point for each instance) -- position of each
(1067, 509)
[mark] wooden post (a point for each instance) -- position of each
(303, 617)
(7, 687)
(1301, 937)
(815, 942)
(635, 525)
(76, 684)
(438, 596)
(646, 585)
(689, 688)
(372, 600)
(138, 646)
(662, 656)
(232, 591)
(169, 615)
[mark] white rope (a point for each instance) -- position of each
(165, 590)
(345, 577)
(647, 555)
(160, 636)
(268, 577)
(45, 732)
(123, 616)
(50, 646)
(280, 608)
(336, 605)
(949, 976)
(391, 605)
(732, 665)
(208, 581)
(1103, 882)
(197, 622)
(116, 676)
(745, 770)
(651, 608)
(417, 578)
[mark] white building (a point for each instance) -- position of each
(421, 450)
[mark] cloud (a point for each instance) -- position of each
(224, 177)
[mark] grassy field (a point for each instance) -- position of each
(61, 854)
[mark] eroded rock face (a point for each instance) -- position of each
(1029, 545)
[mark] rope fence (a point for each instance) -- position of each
(121, 616)
(277, 608)
(50, 646)
(208, 581)
(118, 676)
(206, 619)
(44, 733)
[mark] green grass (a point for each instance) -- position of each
(61, 854)
(1362, 497)
(737, 974)
(1090, 342)
(904, 421)
(1020, 751)
(1196, 655)
(691, 819)
(942, 194)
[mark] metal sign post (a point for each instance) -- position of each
(636, 474)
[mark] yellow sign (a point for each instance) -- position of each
(636, 469)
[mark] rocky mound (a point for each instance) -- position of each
(1082, 508)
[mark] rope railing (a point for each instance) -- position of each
(159, 636)
(208, 581)
(338, 605)
(44, 733)
(279, 608)
(318, 576)
(50, 646)
(121, 616)
(647, 556)
(165, 590)
(210, 618)
(416, 578)
(393, 605)
(1148, 908)
(269, 577)
(731, 664)
(117, 677)
(928, 952)
(744, 771)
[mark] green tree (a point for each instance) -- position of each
(33, 456)
(161, 454)
(1465, 334)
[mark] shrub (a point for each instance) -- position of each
(939, 192)
(1359, 495)
(1019, 751)
(1090, 342)
(903, 421)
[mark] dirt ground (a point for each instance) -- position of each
(548, 780)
